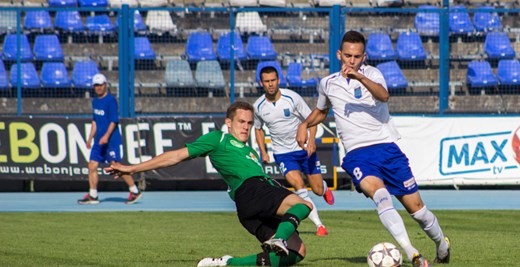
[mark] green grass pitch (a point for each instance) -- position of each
(479, 238)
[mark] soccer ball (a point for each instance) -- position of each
(384, 254)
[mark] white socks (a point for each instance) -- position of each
(431, 227)
(393, 221)
(313, 216)
(93, 193)
(134, 189)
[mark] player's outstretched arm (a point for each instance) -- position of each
(166, 159)
(313, 119)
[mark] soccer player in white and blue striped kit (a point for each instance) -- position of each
(281, 111)
(358, 97)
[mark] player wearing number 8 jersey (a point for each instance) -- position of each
(358, 97)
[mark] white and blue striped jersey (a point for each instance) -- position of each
(361, 120)
(282, 118)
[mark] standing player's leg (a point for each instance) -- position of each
(114, 155)
(311, 166)
(92, 196)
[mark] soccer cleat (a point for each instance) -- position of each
(132, 197)
(88, 200)
(322, 231)
(214, 261)
(329, 197)
(276, 245)
(446, 258)
(419, 261)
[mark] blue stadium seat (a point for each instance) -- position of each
(69, 21)
(63, 3)
(100, 24)
(178, 74)
(294, 77)
(409, 47)
(427, 23)
(4, 82)
(200, 47)
(486, 21)
(262, 64)
(498, 46)
(260, 48)
(460, 22)
(139, 25)
(224, 47)
(38, 20)
(55, 75)
(143, 49)
(48, 48)
(93, 3)
(208, 75)
(379, 47)
(83, 72)
(508, 72)
(394, 77)
(8, 22)
(480, 75)
(10, 48)
(29, 77)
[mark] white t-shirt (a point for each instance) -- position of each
(282, 118)
(361, 120)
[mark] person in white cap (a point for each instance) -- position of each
(108, 143)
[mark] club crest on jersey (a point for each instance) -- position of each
(357, 92)
(286, 112)
(236, 144)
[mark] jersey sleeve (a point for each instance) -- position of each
(113, 111)
(323, 101)
(204, 144)
(376, 76)
(302, 108)
(258, 122)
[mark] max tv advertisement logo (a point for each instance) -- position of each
(484, 153)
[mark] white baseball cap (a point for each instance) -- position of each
(99, 79)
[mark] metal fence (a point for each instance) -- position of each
(179, 60)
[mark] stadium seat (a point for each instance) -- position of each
(294, 77)
(275, 3)
(153, 3)
(224, 47)
(480, 75)
(120, 3)
(93, 3)
(243, 3)
(323, 3)
(4, 82)
(250, 22)
(276, 65)
(394, 77)
(460, 22)
(160, 21)
(100, 24)
(29, 77)
(138, 22)
(200, 47)
(208, 75)
(48, 48)
(178, 74)
(142, 49)
(508, 72)
(260, 48)
(427, 23)
(10, 48)
(55, 75)
(8, 22)
(63, 3)
(409, 47)
(487, 20)
(83, 72)
(38, 21)
(69, 21)
(498, 46)
(379, 47)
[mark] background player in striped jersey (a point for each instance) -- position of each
(281, 111)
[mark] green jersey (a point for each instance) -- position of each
(234, 160)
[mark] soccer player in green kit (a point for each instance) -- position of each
(266, 209)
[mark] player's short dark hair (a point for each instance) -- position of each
(268, 69)
(232, 109)
(354, 37)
